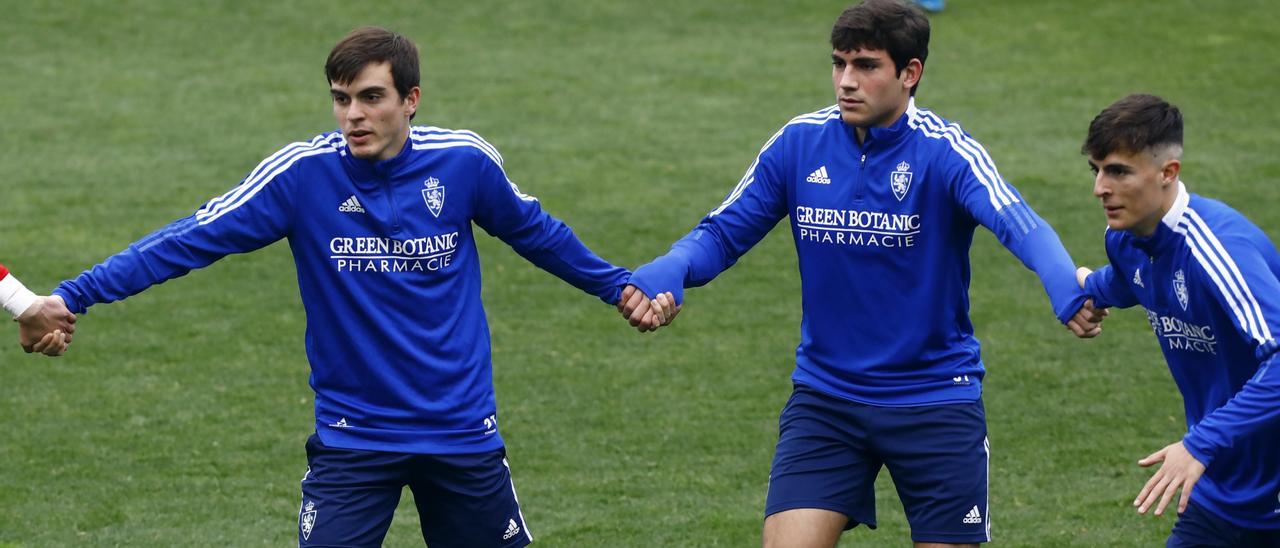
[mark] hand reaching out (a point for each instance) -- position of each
(647, 314)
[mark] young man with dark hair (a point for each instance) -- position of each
(1210, 281)
(883, 199)
(379, 218)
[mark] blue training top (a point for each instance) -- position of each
(389, 276)
(1210, 281)
(882, 230)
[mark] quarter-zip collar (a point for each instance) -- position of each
(370, 171)
(880, 136)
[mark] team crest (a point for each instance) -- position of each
(900, 180)
(1180, 288)
(307, 520)
(434, 195)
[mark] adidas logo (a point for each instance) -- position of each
(352, 205)
(512, 530)
(1137, 278)
(974, 516)
(819, 176)
(341, 423)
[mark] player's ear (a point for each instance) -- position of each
(910, 74)
(1170, 170)
(411, 101)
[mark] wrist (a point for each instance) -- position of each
(15, 298)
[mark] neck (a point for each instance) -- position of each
(396, 146)
(862, 131)
(1166, 203)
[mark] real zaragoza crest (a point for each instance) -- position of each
(1180, 288)
(900, 180)
(307, 520)
(434, 195)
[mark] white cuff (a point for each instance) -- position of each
(15, 297)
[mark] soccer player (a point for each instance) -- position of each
(883, 199)
(1208, 279)
(379, 218)
(46, 331)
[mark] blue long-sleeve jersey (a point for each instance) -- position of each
(390, 280)
(1210, 281)
(882, 230)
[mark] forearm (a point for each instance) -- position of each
(692, 261)
(565, 256)
(168, 253)
(120, 276)
(1041, 251)
(1254, 408)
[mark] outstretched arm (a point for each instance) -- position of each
(255, 213)
(750, 210)
(980, 190)
(518, 219)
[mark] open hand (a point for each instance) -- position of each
(1180, 470)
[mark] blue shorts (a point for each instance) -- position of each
(1201, 528)
(349, 497)
(830, 451)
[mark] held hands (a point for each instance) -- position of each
(1087, 323)
(46, 327)
(647, 314)
(1180, 470)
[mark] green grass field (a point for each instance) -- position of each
(179, 416)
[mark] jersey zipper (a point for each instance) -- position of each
(857, 181)
(391, 202)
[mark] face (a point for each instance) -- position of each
(871, 92)
(373, 117)
(1136, 189)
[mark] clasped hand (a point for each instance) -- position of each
(46, 327)
(647, 314)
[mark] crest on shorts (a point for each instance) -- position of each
(307, 520)
(900, 180)
(433, 195)
(1180, 288)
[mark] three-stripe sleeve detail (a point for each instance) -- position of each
(984, 170)
(1225, 274)
(434, 138)
(261, 176)
(817, 118)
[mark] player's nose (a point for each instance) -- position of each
(354, 112)
(1100, 187)
(847, 79)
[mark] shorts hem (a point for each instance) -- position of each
(949, 538)
(853, 521)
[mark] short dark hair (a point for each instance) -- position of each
(900, 29)
(1136, 123)
(367, 45)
